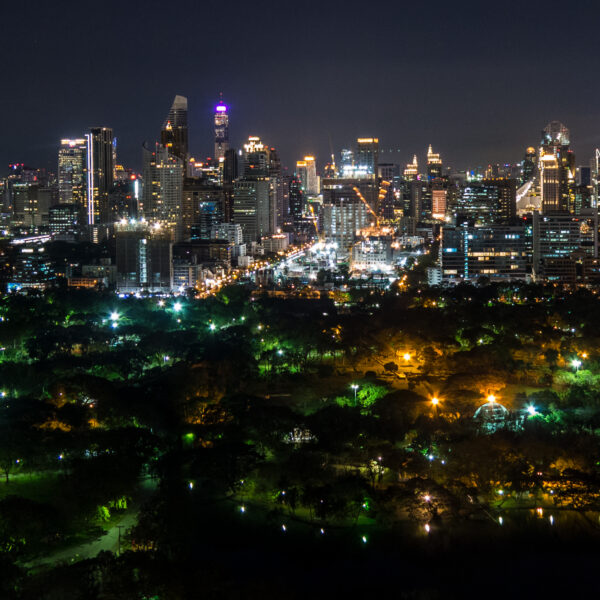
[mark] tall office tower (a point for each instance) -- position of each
(101, 153)
(254, 194)
(203, 207)
(144, 258)
(230, 166)
(438, 203)
(528, 165)
(343, 216)
(367, 156)
(255, 158)
(434, 165)
(505, 192)
(412, 170)
(230, 174)
(346, 162)
(221, 130)
(279, 193)
(557, 170)
(72, 172)
(174, 133)
(252, 199)
(296, 200)
(163, 188)
(306, 171)
(124, 198)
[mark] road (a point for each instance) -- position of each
(109, 540)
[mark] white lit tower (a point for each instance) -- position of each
(221, 130)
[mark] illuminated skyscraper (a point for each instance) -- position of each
(412, 169)
(174, 133)
(163, 189)
(101, 153)
(528, 165)
(72, 172)
(306, 171)
(296, 200)
(434, 165)
(367, 155)
(557, 170)
(221, 130)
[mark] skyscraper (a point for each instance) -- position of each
(528, 165)
(163, 188)
(221, 130)
(174, 133)
(101, 153)
(72, 172)
(367, 155)
(296, 200)
(557, 169)
(434, 165)
(412, 169)
(306, 171)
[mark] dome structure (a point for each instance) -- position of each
(491, 416)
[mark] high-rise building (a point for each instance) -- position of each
(434, 165)
(557, 170)
(174, 133)
(556, 239)
(499, 252)
(367, 156)
(144, 257)
(203, 206)
(101, 154)
(528, 165)
(306, 171)
(64, 218)
(221, 130)
(252, 207)
(163, 188)
(344, 214)
(72, 172)
(412, 170)
(296, 200)
(438, 203)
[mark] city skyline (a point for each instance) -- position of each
(478, 87)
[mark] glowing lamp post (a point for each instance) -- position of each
(354, 386)
(576, 363)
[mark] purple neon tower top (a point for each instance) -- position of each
(221, 130)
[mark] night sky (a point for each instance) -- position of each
(478, 80)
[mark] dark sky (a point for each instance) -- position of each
(478, 80)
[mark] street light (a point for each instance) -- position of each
(576, 363)
(531, 410)
(354, 386)
(177, 306)
(435, 401)
(491, 398)
(406, 356)
(114, 316)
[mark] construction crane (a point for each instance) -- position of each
(362, 198)
(320, 235)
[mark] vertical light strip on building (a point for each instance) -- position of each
(90, 179)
